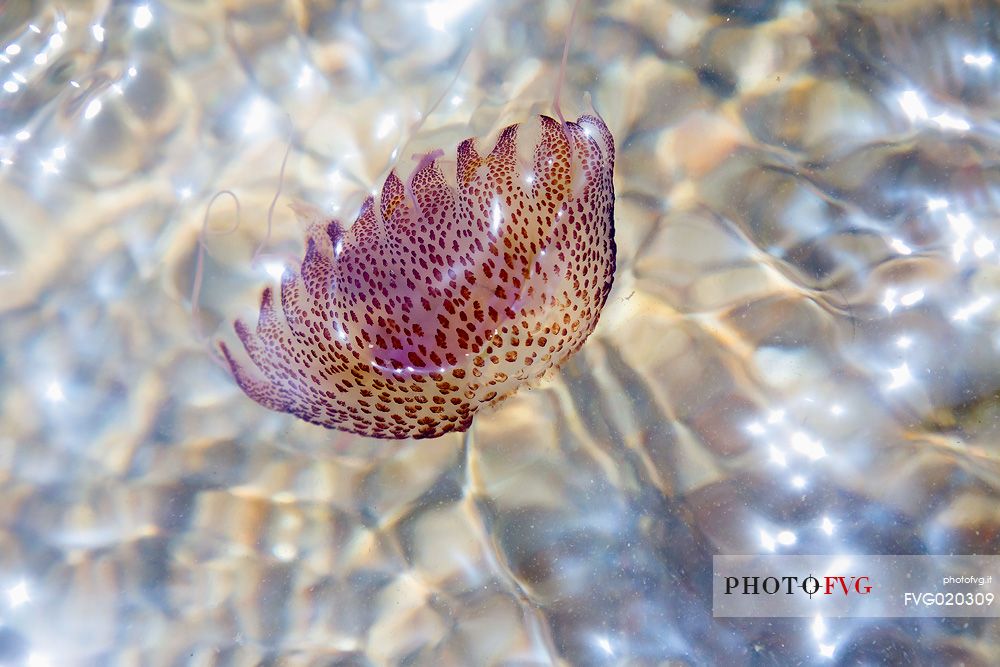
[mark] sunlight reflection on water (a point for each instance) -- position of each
(800, 354)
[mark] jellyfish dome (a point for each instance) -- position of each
(452, 291)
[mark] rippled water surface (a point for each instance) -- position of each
(800, 354)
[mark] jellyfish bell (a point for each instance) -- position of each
(442, 299)
(468, 278)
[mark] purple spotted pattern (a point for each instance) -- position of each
(448, 293)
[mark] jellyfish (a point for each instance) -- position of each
(456, 287)
(445, 295)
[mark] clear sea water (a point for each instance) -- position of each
(800, 355)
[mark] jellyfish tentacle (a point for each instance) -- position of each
(203, 248)
(556, 106)
(274, 200)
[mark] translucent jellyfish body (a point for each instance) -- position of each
(446, 295)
